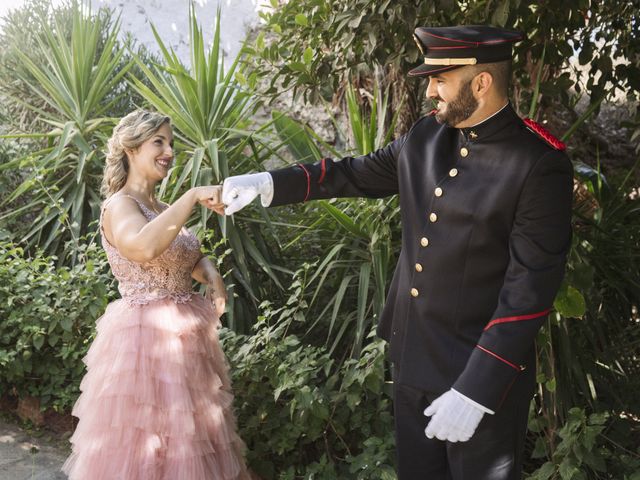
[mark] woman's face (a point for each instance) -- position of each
(153, 158)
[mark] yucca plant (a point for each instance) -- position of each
(78, 83)
(211, 113)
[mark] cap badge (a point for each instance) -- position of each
(419, 44)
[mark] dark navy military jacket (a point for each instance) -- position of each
(486, 227)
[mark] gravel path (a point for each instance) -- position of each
(29, 456)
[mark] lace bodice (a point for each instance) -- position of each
(166, 276)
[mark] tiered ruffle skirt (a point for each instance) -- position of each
(156, 399)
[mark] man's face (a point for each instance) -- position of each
(454, 96)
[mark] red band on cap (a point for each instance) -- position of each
(447, 48)
(444, 69)
(473, 43)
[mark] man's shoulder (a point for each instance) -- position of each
(529, 140)
(534, 136)
(540, 149)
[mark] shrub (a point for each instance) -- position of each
(47, 318)
(304, 415)
(591, 446)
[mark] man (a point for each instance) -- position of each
(486, 211)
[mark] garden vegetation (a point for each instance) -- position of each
(307, 283)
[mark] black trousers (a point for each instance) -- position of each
(494, 452)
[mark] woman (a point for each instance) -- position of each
(156, 401)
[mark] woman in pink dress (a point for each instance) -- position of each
(156, 399)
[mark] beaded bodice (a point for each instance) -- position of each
(166, 276)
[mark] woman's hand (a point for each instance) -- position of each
(210, 197)
(217, 292)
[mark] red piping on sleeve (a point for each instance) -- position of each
(505, 393)
(495, 355)
(306, 172)
(516, 318)
(323, 165)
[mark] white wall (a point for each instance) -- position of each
(171, 19)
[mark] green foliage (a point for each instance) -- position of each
(310, 384)
(369, 134)
(74, 77)
(303, 415)
(8, 182)
(316, 47)
(591, 356)
(48, 315)
(19, 35)
(590, 360)
(585, 451)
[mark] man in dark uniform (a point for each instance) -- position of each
(486, 208)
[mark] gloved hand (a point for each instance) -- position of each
(454, 417)
(239, 191)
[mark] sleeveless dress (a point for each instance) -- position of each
(156, 399)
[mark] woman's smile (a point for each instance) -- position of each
(164, 162)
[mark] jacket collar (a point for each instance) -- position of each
(490, 125)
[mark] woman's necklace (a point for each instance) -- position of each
(154, 207)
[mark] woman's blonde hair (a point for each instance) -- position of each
(131, 132)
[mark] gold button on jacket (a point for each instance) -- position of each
(414, 292)
(418, 267)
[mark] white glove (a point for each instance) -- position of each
(455, 417)
(239, 191)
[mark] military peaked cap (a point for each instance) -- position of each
(447, 48)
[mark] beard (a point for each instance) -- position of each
(458, 109)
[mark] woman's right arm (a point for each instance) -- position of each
(139, 240)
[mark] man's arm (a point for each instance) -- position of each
(373, 175)
(538, 247)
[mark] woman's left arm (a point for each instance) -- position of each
(206, 273)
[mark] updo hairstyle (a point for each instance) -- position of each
(131, 132)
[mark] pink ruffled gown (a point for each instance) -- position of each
(156, 399)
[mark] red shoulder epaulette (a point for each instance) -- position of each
(545, 134)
